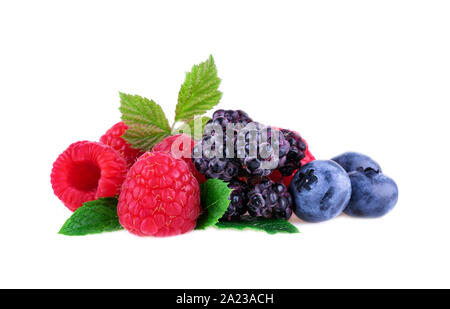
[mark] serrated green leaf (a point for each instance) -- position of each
(93, 217)
(199, 92)
(194, 128)
(270, 226)
(147, 124)
(214, 199)
(144, 137)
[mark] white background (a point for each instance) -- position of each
(370, 76)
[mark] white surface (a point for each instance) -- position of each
(370, 76)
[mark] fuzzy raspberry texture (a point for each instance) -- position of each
(159, 197)
(175, 145)
(86, 171)
(113, 138)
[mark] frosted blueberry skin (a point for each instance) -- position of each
(321, 190)
(373, 194)
(351, 161)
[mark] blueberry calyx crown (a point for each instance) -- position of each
(368, 171)
(305, 180)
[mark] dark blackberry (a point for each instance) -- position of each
(224, 118)
(297, 148)
(255, 147)
(215, 155)
(238, 201)
(269, 199)
(212, 161)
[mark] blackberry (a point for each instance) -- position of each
(270, 200)
(215, 155)
(297, 148)
(210, 158)
(238, 201)
(255, 147)
(224, 118)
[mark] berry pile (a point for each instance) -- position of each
(158, 191)
(145, 177)
(244, 153)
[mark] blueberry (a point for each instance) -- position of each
(351, 161)
(321, 190)
(373, 194)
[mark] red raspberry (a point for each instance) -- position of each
(308, 155)
(113, 138)
(159, 197)
(86, 171)
(174, 145)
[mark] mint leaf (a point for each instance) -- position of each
(270, 226)
(194, 128)
(93, 217)
(214, 199)
(199, 92)
(147, 124)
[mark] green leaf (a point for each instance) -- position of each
(199, 92)
(270, 226)
(147, 124)
(93, 217)
(194, 128)
(214, 199)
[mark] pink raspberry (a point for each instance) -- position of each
(175, 146)
(113, 138)
(86, 171)
(159, 197)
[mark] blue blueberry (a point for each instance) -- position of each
(321, 190)
(351, 161)
(373, 194)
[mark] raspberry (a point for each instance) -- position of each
(270, 200)
(180, 141)
(238, 200)
(308, 155)
(159, 197)
(113, 138)
(86, 171)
